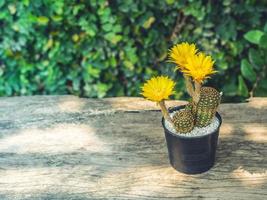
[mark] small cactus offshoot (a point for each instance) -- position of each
(192, 107)
(207, 105)
(183, 121)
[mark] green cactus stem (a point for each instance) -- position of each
(191, 106)
(183, 121)
(208, 103)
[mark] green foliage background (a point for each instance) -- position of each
(101, 48)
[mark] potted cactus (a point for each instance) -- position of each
(191, 130)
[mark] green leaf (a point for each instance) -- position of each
(242, 88)
(56, 18)
(263, 41)
(247, 71)
(147, 24)
(261, 89)
(26, 2)
(128, 65)
(91, 32)
(117, 28)
(169, 2)
(12, 9)
(42, 20)
(2, 2)
(102, 89)
(230, 87)
(4, 14)
(113, 38)
(227, 2)
(223, 66)
(92, 71)
(253, 36)
(107, 27)
(255, 58)
(265, 28)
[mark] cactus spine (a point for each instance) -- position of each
(183, 121)
(207, 105)
(191, 106)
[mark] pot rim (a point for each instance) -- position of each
(176, 108)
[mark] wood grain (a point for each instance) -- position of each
(65, 147)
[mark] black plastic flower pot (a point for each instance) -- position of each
(191, 155)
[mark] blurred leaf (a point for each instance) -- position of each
(26, 2)
(261, 89)
(56, 18)
(253, 36)
(242, 88)
(113, 38)
(4, 14)
(170, 1)
(227, 2)
(128, 64)
(75, 37)
(255, 58)
(247, 71)
(42, 20)
(265, 28)
(12, 9)
(92, 71)
(195, 9)
(2, 2)
(230, 89)
(227, 30)
(102, 89)
(107, 27)
(263, 41)
(149, 22)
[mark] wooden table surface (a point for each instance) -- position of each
(65, 147)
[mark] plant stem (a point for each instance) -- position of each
(165, 112)
(189, 86)
(197, 92)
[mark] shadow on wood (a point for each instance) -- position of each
(64, 147)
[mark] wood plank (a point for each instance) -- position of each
(65, 147)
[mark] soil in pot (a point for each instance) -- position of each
(197, 131)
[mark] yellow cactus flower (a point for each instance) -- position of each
(199, 67)
(158, 88)
(178, 54)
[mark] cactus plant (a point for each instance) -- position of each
(183, 121)
(196, 68)
(207, 105)
(192, 107)
(209, 97)
(191, 142)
